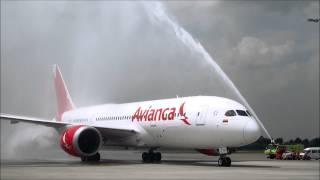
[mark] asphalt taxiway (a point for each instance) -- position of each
(127, 165)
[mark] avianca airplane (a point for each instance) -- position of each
(206, 124)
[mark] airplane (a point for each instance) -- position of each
(314, 20)
(207, 124)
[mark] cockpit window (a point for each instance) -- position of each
(241, 113)
(230, 113)
(248, 113)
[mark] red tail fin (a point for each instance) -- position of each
(64, 100)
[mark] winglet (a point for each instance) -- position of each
(64, 100)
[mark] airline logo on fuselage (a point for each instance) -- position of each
(161, 114)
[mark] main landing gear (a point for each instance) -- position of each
(93, 158)
(150, 157)
(224, 161)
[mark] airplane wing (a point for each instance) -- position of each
(16, 119)
(113, 131)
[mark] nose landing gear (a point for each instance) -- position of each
(224, 160)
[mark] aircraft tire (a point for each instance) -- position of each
(151, 157)
(93, 158)
(145, 157)
(221, 162)
(157, 157)
(224, 162)
(228, 161)
(96, 157)
(84, 158)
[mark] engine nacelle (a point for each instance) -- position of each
(80, 140)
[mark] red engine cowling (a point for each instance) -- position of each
(81, 140)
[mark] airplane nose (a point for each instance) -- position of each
(251, 131)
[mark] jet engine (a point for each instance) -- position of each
(81, 140)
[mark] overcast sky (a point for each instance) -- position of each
(113, 52)
(270, 52)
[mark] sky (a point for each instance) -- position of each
(116, 52)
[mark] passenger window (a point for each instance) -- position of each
(230, 113)
(241, 113)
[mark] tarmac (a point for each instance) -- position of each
(127, 165)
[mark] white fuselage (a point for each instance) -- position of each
(191, 122)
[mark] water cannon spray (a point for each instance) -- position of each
(159, 14)
(272, 141)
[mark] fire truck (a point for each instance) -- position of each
(277, 151)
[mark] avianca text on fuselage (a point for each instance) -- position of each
(160, 114)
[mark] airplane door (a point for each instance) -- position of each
(202, 115)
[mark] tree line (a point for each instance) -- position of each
(262, 142)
